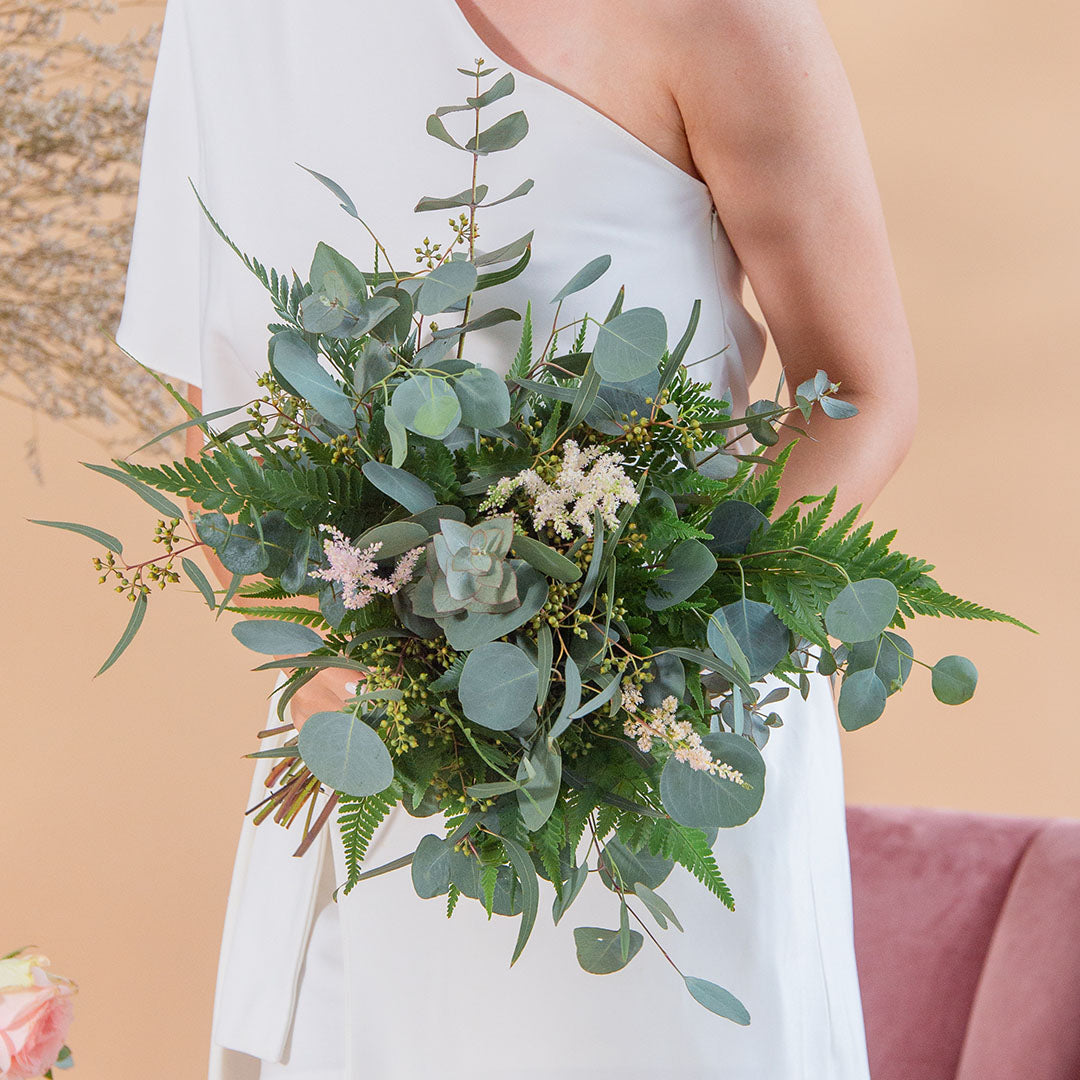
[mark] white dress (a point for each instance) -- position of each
(379, 986)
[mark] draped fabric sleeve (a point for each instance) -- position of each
(160, 320)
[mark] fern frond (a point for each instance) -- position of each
(264, 590)
(690, 848)
(452, 897)
(522, 361)
(926, 600)
(548, 842)
(811, 525)
(302, 615)
(358, 818)
(798, 603)
(489, 875)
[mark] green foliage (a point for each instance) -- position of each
(230, 480)
(358, 818)
(690, 848)
(517, 650)
(304, 616)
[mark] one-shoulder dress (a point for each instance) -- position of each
(378, 985)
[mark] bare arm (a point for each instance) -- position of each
(774, 132)
(326, 691)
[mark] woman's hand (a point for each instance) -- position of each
(326, 692)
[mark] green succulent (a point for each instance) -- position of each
(470, 571)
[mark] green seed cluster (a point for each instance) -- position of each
(428, 252)
(137, 583)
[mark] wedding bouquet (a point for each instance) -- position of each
(560, 589)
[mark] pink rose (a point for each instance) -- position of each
(35, 1014)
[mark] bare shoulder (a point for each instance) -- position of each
(731, 32)
(769, 58)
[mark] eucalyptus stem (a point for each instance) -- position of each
(472, 211)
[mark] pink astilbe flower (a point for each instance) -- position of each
(355, 569)
(679, 735)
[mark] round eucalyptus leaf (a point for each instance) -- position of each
(483, 397)
(298, 364)
(701, 800)
(446, 285)
(370, 313)
(630, 345)
(763, 638)
(953, 679)
(862, 609)
(431, 867)
(279, 539)
(837, 409)
(426, 405)
(323, 313)
(826, 664)
(467, 631)
(627, 869)
(276, 638)
(599, 952)
(732, 524)
(757, 423)
(374, 364)
(401, 486)
(889, 655)
(345, 753)
(716, 466)
(718, 1000)
(689, 566)
(465, 873)
(862, 699)
(295, 575)
(242, 553)
(430, 517)
(332, 604)
(668, 678)
(394, 538)
(395, 327)
(498, 686)
(333, 272)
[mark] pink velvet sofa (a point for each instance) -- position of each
(967, 932)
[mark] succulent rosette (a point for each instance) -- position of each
(565, 592)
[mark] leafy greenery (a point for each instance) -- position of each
(572, 609)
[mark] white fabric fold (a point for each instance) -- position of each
(268, 920)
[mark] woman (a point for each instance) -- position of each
(695, 141)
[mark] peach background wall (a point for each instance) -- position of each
(122, 795)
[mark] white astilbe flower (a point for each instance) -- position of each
(587, 480)
(356, 571)
(679, 735)
(630, 697)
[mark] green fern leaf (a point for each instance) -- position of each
(690, 848)
(358, 818)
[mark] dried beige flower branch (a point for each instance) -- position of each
(72, 111)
